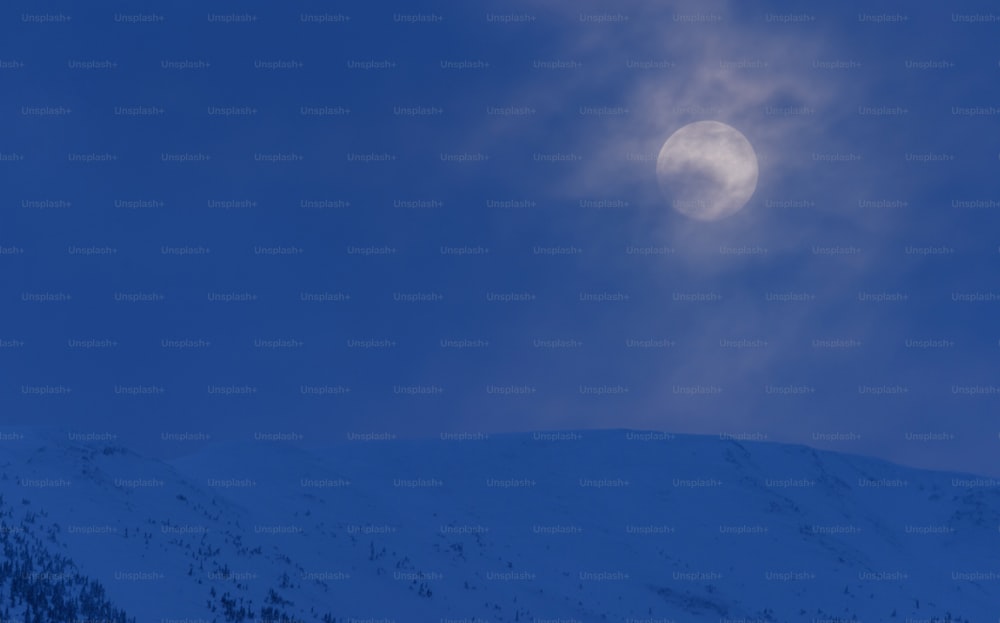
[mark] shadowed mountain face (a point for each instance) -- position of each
(583, 526)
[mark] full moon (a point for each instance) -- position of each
(707, 170)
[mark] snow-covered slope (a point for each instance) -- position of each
(573, 526)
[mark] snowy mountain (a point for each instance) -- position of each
(570, 526)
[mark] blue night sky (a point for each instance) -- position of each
(322, 218)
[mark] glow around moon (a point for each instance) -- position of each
(707, 170)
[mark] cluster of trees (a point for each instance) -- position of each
(237, 610)
(37, 586)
